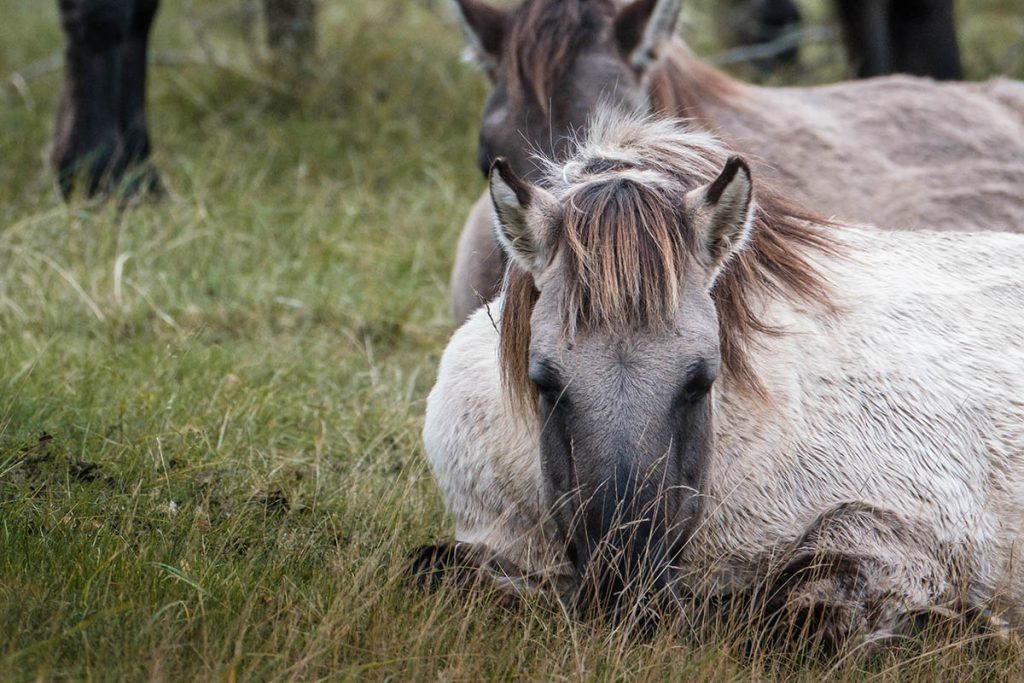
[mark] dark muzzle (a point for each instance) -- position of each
(622, 550)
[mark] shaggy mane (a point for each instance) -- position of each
(624, 243)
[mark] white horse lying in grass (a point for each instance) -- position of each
(685, 392)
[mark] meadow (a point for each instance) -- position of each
(210, 406)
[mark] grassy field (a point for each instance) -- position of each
(210, 461)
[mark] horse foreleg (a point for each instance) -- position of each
(865, 28)
(134, 129)
(86, 138)
(923, 39)
(861, 573)
(473, 566)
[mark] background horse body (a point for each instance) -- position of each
(886, 439)
(897, 151)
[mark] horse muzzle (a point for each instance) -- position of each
(622, 550)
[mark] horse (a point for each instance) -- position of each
(698, 386)
(906, 36)
(898, 151)
(882, 37)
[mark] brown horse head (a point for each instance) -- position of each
(553, 62)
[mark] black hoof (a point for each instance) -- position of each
(141, 183)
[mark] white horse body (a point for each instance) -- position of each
(908, 398)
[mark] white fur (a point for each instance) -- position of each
(910, 399)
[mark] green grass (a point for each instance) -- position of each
(210, 462)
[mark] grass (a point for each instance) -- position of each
(210, 462)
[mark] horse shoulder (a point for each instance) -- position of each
(484, 459)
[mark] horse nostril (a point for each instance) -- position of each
(573, 555)
(484, 159)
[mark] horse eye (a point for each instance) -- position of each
(548, 382)
(697, 385)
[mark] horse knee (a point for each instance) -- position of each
(859, 571)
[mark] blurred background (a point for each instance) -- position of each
(391, 61)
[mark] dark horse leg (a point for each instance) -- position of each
(865, 25)
(132, 104)
(473, 566)
(101, 122)
(901, 36)
(923, 38)
(859, 571)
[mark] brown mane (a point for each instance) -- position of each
(624, 244)
(544, 39)
(682, 85)
(546, 36)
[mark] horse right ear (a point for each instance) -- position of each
(524, 216)
(483, 27)
(721, 214)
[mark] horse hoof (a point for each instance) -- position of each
(142, 183)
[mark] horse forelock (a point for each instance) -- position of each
(546, 36)
(624, 244)
(544, 39)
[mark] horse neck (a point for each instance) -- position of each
(682, 85)
(799, 331)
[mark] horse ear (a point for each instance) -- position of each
(721, 213)
(523, 218)
(483, 27)
(643, 26)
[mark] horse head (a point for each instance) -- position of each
(552, 63)
(611, 340)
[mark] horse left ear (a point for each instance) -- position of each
(484, 27)
(721, 213)
(642, 26)
(524, 214)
